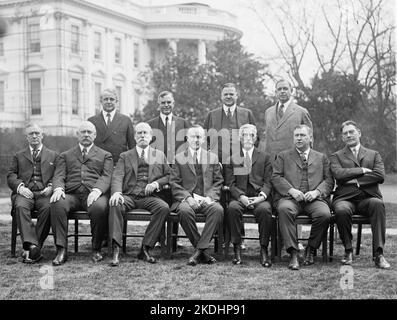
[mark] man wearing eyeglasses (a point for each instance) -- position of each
(115, 132)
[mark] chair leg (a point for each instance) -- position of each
(331, 241)
(76, 235)
(175, 227)
(125, 223)
(325, 247)
(359, 230)
(162, 242)
(169, 237)
(279, 242)
(273, 239)
(14, 231)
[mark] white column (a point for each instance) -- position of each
(202, 52)
(108, 51)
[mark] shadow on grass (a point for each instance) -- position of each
(171, 278)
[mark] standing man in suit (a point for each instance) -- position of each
(303, 182)
(115, 132)
(81, 181)
(223, 124)
(30, 179)
(248, 177)
(358, 172)
(169, 130)
(281, 120)
(196, 181)
(139, 174)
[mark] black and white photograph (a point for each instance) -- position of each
(197, 159)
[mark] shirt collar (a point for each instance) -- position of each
(357, 147)
(139, 150)
(250, 152)
(192, 151)
(286, 104)
(38, 149)
(112, 113)
(232, 109)
(163, 116)
(306, 153)
(88, 148)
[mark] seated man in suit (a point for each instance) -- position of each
(139, 173)
(81, 181)
(358, 172)
(303, 182)
(30, 179)
(196, 182)
(248, 177)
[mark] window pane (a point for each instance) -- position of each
(136, 55)
(117, 50)
(98, 90)
(35, 95)
(34, 37)
(75, 96)
(97, 45)
(1, 95)
(75, 39)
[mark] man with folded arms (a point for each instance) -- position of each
(139, 174)
(303, 182)
(29, 178)
(358, 172)
(248, 177)
(196, 182)
(81, 181)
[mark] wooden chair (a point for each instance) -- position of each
(356, 219)
(304, 220)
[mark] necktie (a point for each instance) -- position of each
(35, 153)
(280, 111)
(247, 162)
(355, 153)
(229, 113)
(142, 156)
(166, 122)
(195, 158)
(108, 119)
(84, 153)
(303, 158)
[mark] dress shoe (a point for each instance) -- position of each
(34, 252)
(116, 252)
(237, 254)
(294, 263)
(309, 256)
(265, 260)
(157, 245)
(347, 258)
(26, 258)
(61, 257)
(96, 257)
(380, 262)
(207, 257)
(145, 256)
(194, 259)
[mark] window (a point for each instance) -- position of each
(34, 38)
(119, 92)
(75, 39)
(35, 95)
(75, 96)
(117, 50)
(1, 96)
(97, 45)
(98, 90)
(136, 55)
(1, 48)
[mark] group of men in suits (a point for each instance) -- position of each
(296, 180)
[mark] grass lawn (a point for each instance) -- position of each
(80, 278)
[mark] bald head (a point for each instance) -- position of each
(86, 133)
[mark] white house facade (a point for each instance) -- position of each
(57, 56)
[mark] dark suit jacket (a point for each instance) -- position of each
(21, 169)
(178, 133)
(287, 173)
(259, 176)
(214, 122)
(345, 167)
(116, 138)
(95, 172)
(183, 179)
(280, 136)
(125, 173)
